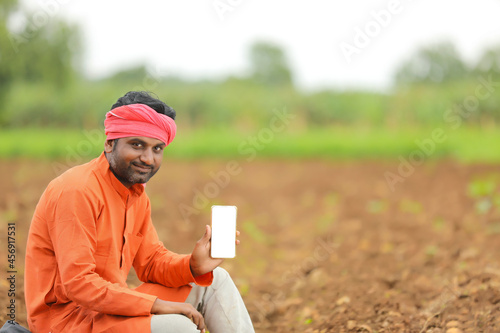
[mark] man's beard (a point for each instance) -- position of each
(128, 174)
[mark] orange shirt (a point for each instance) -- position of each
(88, 230)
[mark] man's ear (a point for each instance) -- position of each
(108, 145)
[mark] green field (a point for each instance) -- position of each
(465, 144)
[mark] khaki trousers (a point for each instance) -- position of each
(220, 304)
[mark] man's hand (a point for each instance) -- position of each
(186, 309)
(201, 261)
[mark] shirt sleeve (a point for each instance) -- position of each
(154, 263)
(74, 236)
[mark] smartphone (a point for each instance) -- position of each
(223, 232)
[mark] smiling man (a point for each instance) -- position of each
(93, 224)
(126, 167)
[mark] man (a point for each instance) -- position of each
(93, 223)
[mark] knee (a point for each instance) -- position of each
(220, 276)
(185, 325)
(172, 323)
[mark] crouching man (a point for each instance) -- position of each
(93, 223)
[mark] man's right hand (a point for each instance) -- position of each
(186, 309)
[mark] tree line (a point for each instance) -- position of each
(42, 84)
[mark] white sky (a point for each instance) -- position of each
(189, 38)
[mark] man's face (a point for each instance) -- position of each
(134, 159)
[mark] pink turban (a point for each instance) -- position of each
(139, 120)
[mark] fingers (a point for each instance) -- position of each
(198, 320)
(196, 317)
(186, 309)
(237, 235)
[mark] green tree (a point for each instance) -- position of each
(38, 52)
(132, 74)
(46, 54)
(269, 65)
(433, 64)
(489, 63)
(7, 54)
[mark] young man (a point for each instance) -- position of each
(93, 223)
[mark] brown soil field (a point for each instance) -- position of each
(325, 246)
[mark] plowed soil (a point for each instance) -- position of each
(325, 246)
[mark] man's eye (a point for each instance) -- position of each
(136, 145)
(158, 149)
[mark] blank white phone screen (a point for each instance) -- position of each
(223, 232)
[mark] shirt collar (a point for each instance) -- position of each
(103, 167)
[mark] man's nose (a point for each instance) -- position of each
(147, 157)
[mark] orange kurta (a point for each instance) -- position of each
(88, 230)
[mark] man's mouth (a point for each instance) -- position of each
(142, 168)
